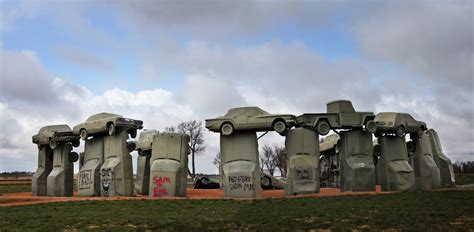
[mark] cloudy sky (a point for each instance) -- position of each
(168, 61)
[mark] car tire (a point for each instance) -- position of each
(131, 146)
(370, 126)
(227, 129)
(83, 134)
(400, 132)
(323, 128)
(266, 182)
(111, 128)
(204, 181)
(76, 143)
(324, 163)
(279, 126)
(53, 144)
(73, 157)
(133, 133)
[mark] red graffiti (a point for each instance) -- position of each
(160, 190)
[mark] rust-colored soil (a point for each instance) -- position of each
(25, 198)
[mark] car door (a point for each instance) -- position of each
(349, 119)
(409, 122)
(255, 119)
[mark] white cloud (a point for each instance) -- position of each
(428, 46)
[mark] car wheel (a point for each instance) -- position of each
(53, 144)
(400, 131)
(323, 128)
(204, 181)
(83, 134)
(279, 126)
(131, 146)
(227, 129)
(133, 133)
(324, 166)
(419, 132)
(111, 128)
(370, 126)
(76, 143)
(266, 182)
(73, 157)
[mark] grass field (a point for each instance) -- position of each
(438, 210)
(14, 188)
(464, 179)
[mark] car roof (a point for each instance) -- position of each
(340, 106)
(241, 110)
(51, 128)
(101, 116)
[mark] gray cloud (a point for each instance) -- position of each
(431, 38)
(84, 59)
(23, 78)
(213, 19)
(427, 46)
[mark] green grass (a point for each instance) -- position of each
(427, 211)
(464, 179)
(14, 188)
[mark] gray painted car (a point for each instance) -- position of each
(250, 118)
(145, 141)
(104, 123)
(340, 115)
(212, 182)
(53, 134)
(398, 123)
(270, 182)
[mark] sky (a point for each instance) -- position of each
(165, 62)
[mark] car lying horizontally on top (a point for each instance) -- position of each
(250, 118)
(398, 123)
(104, 123)
(340, 115)
(51, 135)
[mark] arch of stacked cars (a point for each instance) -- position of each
(349, 158)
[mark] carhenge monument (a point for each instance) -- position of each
(357, 171)
(302, 149)
(393, 167)
(54, 176)
(107, 167)
(427, 175)
(144, 144)
(169, 165)
(239, 171)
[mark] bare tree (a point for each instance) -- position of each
(281, 159)
(268, 158)
(194, 129)
(170, 129)
(217, 159)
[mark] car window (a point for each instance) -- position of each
(409, 117)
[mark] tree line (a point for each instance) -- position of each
(463, 167)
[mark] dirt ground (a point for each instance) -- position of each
(25, 198)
